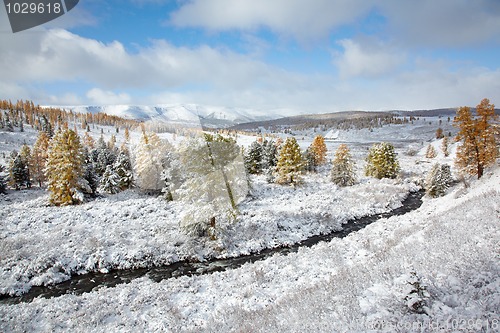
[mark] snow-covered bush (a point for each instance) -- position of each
(438, 180)
(415, 294)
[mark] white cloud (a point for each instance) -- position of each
(367, 59)
(101, 97)
(297, 18)
(442, 23)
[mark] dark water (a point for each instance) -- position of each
(80, 284)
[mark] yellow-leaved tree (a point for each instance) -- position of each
(64, 169)
(477, 134)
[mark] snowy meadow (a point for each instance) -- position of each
(434, 269)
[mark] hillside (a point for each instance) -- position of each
(183, 114)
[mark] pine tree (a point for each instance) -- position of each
(444, 146)
(343, 169)
(25, 155)
(430, 152)
(39, 158)
(438, 180)
(3, 182)
(478, 149)
(109, 182)
(290, 163)
(127, 135)
(309, 160)
(318, 150)
(382, 161)
(64, 168)
(18, 171)
(253, 159)
(148, 164)
(269, 159)
(123, 168)
(90, 180)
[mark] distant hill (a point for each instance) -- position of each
(187, 114)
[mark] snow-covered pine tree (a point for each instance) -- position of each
(123, 168)
(290, 163)
(25, 155)
(309, 160)
(318, 150)
(382, 161)
(269, 159)
(438, 180)
(343, 169)
(478, 150)
(109, 182)
(148, 163)
(253, 158)
(430, 152)
(3, 181)
(46, 126)
(90, 180)
(18, 171)
(102, 156)
(39, 158)
(444, 146)
(64, 168)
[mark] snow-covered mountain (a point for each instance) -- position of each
(212, 116)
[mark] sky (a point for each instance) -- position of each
(296, 56)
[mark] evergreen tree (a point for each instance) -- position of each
(290, 163)
(102, 156)
(253, 159)
(25, 155)
(64, 168)
(318, 150)
(3, 182)
(382, 161)
(438, 180)
(309, 160)
(18, 171)
(46, 126)
(430, 152)
(39, 158)
(90, 180)
(123, 168)
(269, 159)
(110, 181)
(478, 149)
(444, 146)
(343, 169)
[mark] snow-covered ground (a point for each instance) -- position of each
(355, 284)
(42, 244)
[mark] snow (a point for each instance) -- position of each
(45, 245)
(355, 284)
(359, 283)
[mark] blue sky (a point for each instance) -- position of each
(293, 55)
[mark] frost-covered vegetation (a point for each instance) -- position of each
(146, 199)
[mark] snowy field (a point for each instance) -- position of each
(355, 284)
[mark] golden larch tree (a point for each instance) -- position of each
(478, 149)
(318, 150)
(64, 168)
